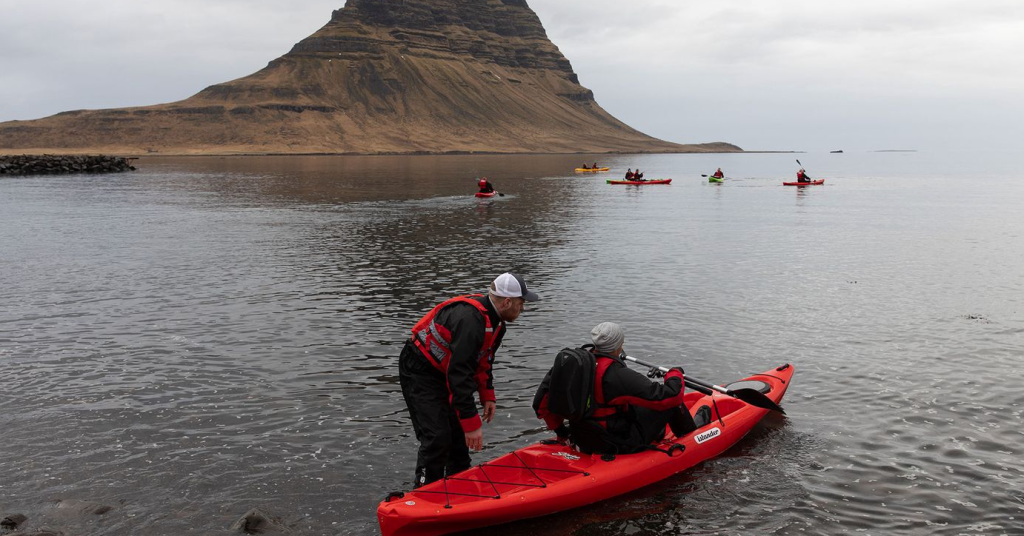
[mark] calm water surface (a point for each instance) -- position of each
(208, 335)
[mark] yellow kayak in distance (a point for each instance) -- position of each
(591, 170)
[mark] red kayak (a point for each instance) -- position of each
(485, 194)
(812, 183)
(547, 477)
(652, 181)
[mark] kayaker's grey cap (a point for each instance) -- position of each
(509, 285)
(608, 337)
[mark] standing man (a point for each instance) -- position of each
(446, 360)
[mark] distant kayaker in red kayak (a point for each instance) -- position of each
(485, 186)
(632, 411)
(629, 174)
(447, 359)
(638, 176)
(802, 176)
(719, 174)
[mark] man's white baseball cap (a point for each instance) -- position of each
(509, 285)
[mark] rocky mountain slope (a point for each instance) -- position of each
(383, 76)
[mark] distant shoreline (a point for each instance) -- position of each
(4, 153)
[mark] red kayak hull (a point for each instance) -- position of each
(652, 181)
(812, 183)
(542, 479)
(488, 194)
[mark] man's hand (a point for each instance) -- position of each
(488, 411)
(475, 439)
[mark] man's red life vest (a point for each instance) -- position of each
(434, 342)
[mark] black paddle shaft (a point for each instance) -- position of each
(750, 396)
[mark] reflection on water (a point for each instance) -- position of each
(209, 335)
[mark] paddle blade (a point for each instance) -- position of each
(756, 398)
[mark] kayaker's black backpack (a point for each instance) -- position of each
(571, 388)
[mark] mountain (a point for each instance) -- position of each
(383, 76)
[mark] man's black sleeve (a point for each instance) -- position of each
(467, 328)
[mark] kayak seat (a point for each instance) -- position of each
(757, 385)
(703, 416)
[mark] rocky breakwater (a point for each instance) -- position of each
(49, 164)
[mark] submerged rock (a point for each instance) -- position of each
(11, 521)
(68, 514)
(72, 507)
(256, 521)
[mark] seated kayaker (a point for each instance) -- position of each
(595, 166)
(629, 174)
(719, 174)
(485, 186)
(631, 411)
(584, 166)
(802, 176)
(637, 176)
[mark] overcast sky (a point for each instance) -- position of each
(766, 75)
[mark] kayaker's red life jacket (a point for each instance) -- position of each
(620, 404)
(434, 342)
(800, 176)
(604, 410)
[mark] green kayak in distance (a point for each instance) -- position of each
(715, 179)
